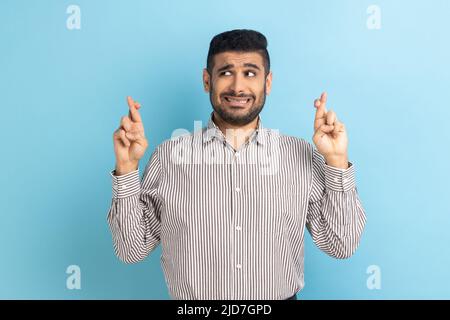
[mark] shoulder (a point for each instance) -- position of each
(176, 146)
(294, 144)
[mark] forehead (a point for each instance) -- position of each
(238, 59)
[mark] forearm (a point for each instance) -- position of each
(336, 217)
(338, 223)
(132, 236)
(128, 230)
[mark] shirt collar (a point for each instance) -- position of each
(212, 131)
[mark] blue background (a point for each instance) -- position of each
(63, 93)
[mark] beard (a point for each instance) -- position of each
(238, 119)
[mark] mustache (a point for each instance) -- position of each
(233, 94)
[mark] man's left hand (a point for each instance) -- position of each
(330, 136)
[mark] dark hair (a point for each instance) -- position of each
(241, 40)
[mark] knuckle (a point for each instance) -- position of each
(124, 120)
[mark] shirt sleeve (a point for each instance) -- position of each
(335, 217)
(134, 217)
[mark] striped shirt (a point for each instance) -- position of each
(231, 223)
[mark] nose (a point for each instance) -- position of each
(238, 85)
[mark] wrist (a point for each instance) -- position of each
(124, 168)
(340, 162)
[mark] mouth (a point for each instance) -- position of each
(237, 102)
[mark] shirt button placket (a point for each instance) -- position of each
(236, 223)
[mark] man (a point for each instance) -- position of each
(229, 203)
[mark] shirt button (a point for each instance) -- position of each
(238, 189)
(237, 154)
(345, 179)
(238, 228)
(336, 180)
(238, 266)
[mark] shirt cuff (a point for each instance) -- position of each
(338, 179)
(125, 185)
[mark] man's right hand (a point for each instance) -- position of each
(129, 140)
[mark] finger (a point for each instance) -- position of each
(124, 139)
(322, 101)
(137, 137)
(116, 135)
(317, 103)
(137, 105)
(320, 111)
(323, 98)
(338, 128)
(318, 123)
(125, 123)
(319, 120)
(320, 104)
(325, 128)
(133, 112)
(331, 117)
(134, 136)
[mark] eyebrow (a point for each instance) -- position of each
(229, 66)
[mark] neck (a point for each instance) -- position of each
(234, 134)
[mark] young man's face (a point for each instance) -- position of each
(237, 86)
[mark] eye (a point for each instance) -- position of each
(225, 73)
(251, 74)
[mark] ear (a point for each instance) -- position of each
(206, 80)
(269, 83)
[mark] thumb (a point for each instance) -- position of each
(326, 128)
(138, 138)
